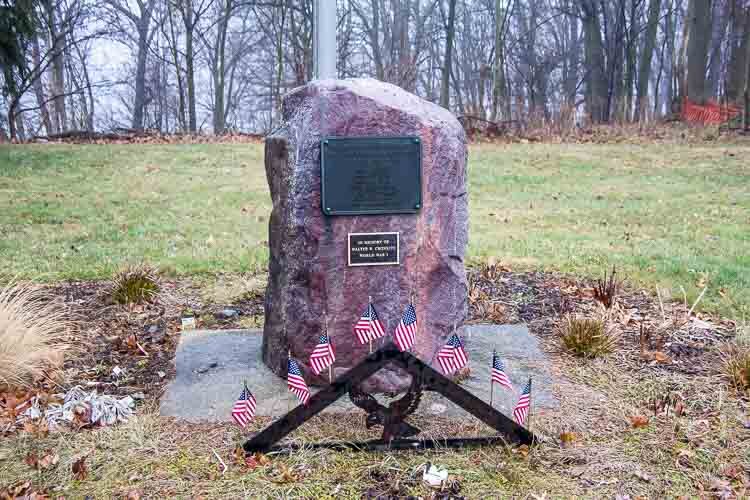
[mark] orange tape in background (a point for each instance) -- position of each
(709, 113)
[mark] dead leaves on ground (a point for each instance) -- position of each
(22, 490)
(250, 462)
(80, 469)
(46, 461)
(638, 421)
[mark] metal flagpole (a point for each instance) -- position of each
(370, 310)
(324, 39)
(492, 379)
(528, 425)
(330, 346)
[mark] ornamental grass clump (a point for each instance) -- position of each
(33, 333)
(737, 366)
(135, 284)
(586, 337)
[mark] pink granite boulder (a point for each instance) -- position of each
(309, 277)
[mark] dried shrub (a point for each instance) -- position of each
(135, 284)
(607, 288)
(586, 337)
(33, 335)
(737, 366)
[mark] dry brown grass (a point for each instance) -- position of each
(135, 284)
(32, 335)
(586, 337)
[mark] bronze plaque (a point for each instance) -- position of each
(371, 175)
(373, 249)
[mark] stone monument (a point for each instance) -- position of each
(321, 269)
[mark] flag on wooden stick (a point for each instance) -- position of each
(406, 331)
(243, 410)
(452, 356)
(521, 411)
(498, 372)
(296, 382)
(322, 356)
(369, 327)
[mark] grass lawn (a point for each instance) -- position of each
(673, 215)
(628, 424)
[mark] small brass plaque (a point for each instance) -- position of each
(371, 175)
(373, 249)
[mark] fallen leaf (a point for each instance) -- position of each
(49, 460)
(679, 409)
(732, 471)
(262, 459)
(18, 490)
(567, 438)
(660, 357)
(132, 342)
(32, 460)
(638, 421)
(80, 469)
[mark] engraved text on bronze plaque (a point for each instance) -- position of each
(371, 175)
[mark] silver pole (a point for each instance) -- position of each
(324, 38)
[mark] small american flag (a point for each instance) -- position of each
(452, 356)
(498, 372)
(243, 410)
(521, 411)
(369, 326)
(296, 383)
(406, 330)
(322, 356)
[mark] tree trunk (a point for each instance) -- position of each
(721, 14)
(190, 64)
(682, 58)
(596, 80)
(700, 38)
(644, 71)
(739, 52)
(41, 98)
(448, 61)
(669, 66)
(178, 71)
(572, 60)
(220, 69)
(498, 84)
(631, 53)
(57, 42)
(139, 102)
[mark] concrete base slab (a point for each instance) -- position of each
(211, 366)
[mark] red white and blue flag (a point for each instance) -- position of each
(452, 356)
(322, 356)
(521, 411)
(369, 326)
(296, 382)
(498, 372)
(406, 331)
(243, 410)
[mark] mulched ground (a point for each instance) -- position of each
(141, 340)
(653, 332)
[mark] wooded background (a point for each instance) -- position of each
(217, 66)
